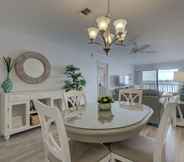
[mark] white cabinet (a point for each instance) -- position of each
(17, 109)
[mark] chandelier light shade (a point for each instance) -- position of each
(108, 32)
(92, 33)
(120, 25)
(103, 23)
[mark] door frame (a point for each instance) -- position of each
(106, 66)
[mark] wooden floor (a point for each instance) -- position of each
(27, 147)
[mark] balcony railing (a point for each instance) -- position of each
(162, 86)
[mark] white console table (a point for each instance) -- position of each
(17, 105)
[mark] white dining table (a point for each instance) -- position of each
(123, 121)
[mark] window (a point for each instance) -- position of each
(149, 79)
(166, 75)
(127, 79)
(161, 79)
(166, 81)
(149, 76)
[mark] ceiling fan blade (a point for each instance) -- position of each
(131, 42)
(127, 43)
(131, 52)
(143, 47)
(150, 52)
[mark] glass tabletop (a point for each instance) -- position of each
(120, 115)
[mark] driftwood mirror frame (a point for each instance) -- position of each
(20, 72)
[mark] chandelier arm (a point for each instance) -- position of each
(103, 39)
(115, 39)
(119, 44)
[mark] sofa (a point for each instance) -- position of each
(151, 98)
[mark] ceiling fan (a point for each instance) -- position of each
(141, 49)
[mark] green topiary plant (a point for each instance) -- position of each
(105, 100)
(74, 79)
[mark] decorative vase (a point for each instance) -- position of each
(7, 85)
(104, 107)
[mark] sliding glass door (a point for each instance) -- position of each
(166, 81)
(161, 79)
(149, 79)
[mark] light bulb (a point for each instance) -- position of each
(92, 32)
(103, 23)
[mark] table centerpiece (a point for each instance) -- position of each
(104, 103)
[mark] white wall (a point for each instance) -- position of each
(59, 54)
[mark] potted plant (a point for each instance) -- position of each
(74, 79)
(7, 85)
(104, 103)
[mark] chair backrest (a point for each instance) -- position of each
(165, 124)
(55, 142)
(73, 99)
(131, 95)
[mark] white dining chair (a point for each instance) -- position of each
(74, 99)
(172, 99)
(56, 144)
(145, 149)
(131, 95)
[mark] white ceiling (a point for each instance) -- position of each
(61, 18)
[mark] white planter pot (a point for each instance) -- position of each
(105, 107)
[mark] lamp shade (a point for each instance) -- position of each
(120, 25)
(92, 33)
(179, 76)
(102, 23)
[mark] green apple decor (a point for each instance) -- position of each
(104, 103)
(7, 85)
(74, 79)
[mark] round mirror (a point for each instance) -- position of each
(32, 68)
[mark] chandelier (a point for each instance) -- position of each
(107, 32)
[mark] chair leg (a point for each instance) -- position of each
(46, 155)
(113, 160)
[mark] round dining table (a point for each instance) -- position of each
(91, 125)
